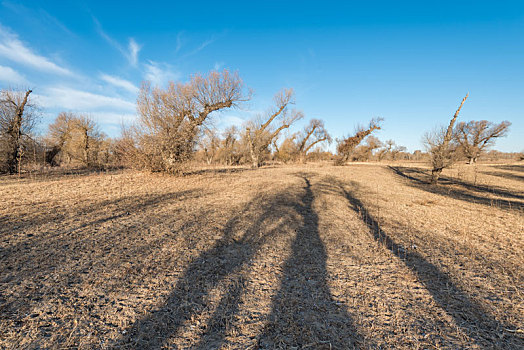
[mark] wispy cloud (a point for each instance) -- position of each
(200, 47)
(10, 76)
(36, 15)
(119, 82)
(179, 41)
(160, 73)
(218, 65)
(133, 48)
(15, 50)
(231, 120)
(78, 100)
(113, 120)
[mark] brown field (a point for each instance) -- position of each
(312, 257)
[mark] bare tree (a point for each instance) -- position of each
(313, 134)
(170, 119)
(87, 139)
(210, 144)
(74, 137)
(438, 145)
(391, 150)
(287, 150)
(346, 146)
(230, 151)
(365, 152)
(260, 136)
(17, 119)
(59, 134)
(476, 136)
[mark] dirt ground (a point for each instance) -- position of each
(311, 257)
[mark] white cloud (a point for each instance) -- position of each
(179, 41)
(9, 75)
(13, 49)
(110, 118)
(134, 48)
(131, 53)
(119, 82)
(160, 73)
(77, 100)
(231, 120)
(218, 65)
(202, 46)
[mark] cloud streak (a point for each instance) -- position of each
(13, 49)
(119, 82)
(159, 73)
(78, 100)
(10, 76)
(133, 48)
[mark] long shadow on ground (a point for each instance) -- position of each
(505, 175)
(70, 252)
(303, 311)
(519, 168)
(472, 318)
(417, 180)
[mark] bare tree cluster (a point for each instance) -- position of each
(475, 137)
(261, 133)
(463, 140)
(76, 139)
(439, 145)
(170, 119)
(347, 145)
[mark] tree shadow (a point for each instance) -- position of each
(304, 313)
(212, 171)
(58, 173)
(418, 180)
(69, 253)
(222, 262)
(505, 175)
(471, 317)
(304, 301)
(519, 168)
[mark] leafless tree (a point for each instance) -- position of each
(346, 146)
(365, 152)
(287, 150)
(88, 135)
(476, 136)
(313, 134)
(59, 134)
(17, 120)
(169, 120)
(230, 151)
(438, 144)
(210, 144)
(260, 136)
(391, 150)
(76, 137)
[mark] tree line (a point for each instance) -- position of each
(173, 127)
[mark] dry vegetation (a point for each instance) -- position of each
(365, 256)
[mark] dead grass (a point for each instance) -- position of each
(363, 256)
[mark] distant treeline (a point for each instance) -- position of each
(173, 129)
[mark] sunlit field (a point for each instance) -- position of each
(286, 256)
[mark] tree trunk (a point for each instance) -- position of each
(14, 157)
(254, 154)
(435, 174)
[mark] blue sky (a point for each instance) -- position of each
(408, 62)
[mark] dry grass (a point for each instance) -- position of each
(364, 256)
